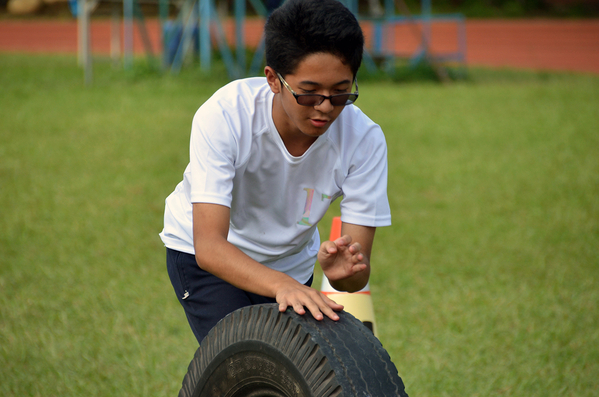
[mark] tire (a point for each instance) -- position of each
(257, 351)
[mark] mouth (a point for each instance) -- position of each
(319, 122)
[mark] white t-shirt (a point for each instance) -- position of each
(238, 159)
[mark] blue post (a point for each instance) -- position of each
(259, 7)
(165, 36)
(352, 5)
(377, 45)
(240, 34)
(205, 48)
(258, 57)
(128, 33)
(426, 19)
(221, 41)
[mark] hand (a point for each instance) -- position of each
(299, 297)
(340, 259)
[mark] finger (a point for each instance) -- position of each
(343, 240)
(329, 247)
(319, 305)
(330, 313)
(332, 304)
(316, 313)
(360, 267)
(318, 310)
(283, 306)
(355, 248)
(299, 308)
(330, 307)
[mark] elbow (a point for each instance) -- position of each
(354, 284)
(204, 254)
(358, 286)
(201, 261)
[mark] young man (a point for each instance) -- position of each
(268, 157)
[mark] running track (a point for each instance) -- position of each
(562, 45)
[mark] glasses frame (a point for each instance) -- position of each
(297, 97)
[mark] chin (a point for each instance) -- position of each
(316, 131)
(316, 134)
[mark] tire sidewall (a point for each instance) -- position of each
(251, 363)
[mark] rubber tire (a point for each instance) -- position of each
(258, 351)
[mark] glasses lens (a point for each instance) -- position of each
(343, 99)
(336, 100)
(310, 100)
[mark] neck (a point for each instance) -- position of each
(296, 148)
(295, 141)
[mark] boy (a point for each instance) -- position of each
(268, 157)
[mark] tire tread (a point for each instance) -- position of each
(335, 359)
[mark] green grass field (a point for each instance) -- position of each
(485, 285)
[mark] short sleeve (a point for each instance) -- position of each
(213, 153)
(365, 200)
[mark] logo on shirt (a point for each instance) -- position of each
(305, 221)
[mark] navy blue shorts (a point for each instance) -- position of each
(206, 298)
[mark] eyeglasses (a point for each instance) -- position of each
(317, 99)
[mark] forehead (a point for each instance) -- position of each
(323, 69)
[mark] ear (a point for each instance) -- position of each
(272, 79)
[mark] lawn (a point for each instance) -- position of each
(485, 285)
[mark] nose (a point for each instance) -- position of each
(325, 107)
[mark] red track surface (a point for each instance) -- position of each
(565, 45)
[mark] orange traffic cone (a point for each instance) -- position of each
(359, 303)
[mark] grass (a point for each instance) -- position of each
(484, 286)
(496, 238)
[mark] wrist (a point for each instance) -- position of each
(280, 282)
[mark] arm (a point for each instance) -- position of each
(221, 258)
(346, 261)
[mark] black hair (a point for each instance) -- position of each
(303, 27)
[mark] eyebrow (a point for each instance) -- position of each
(308, 82)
